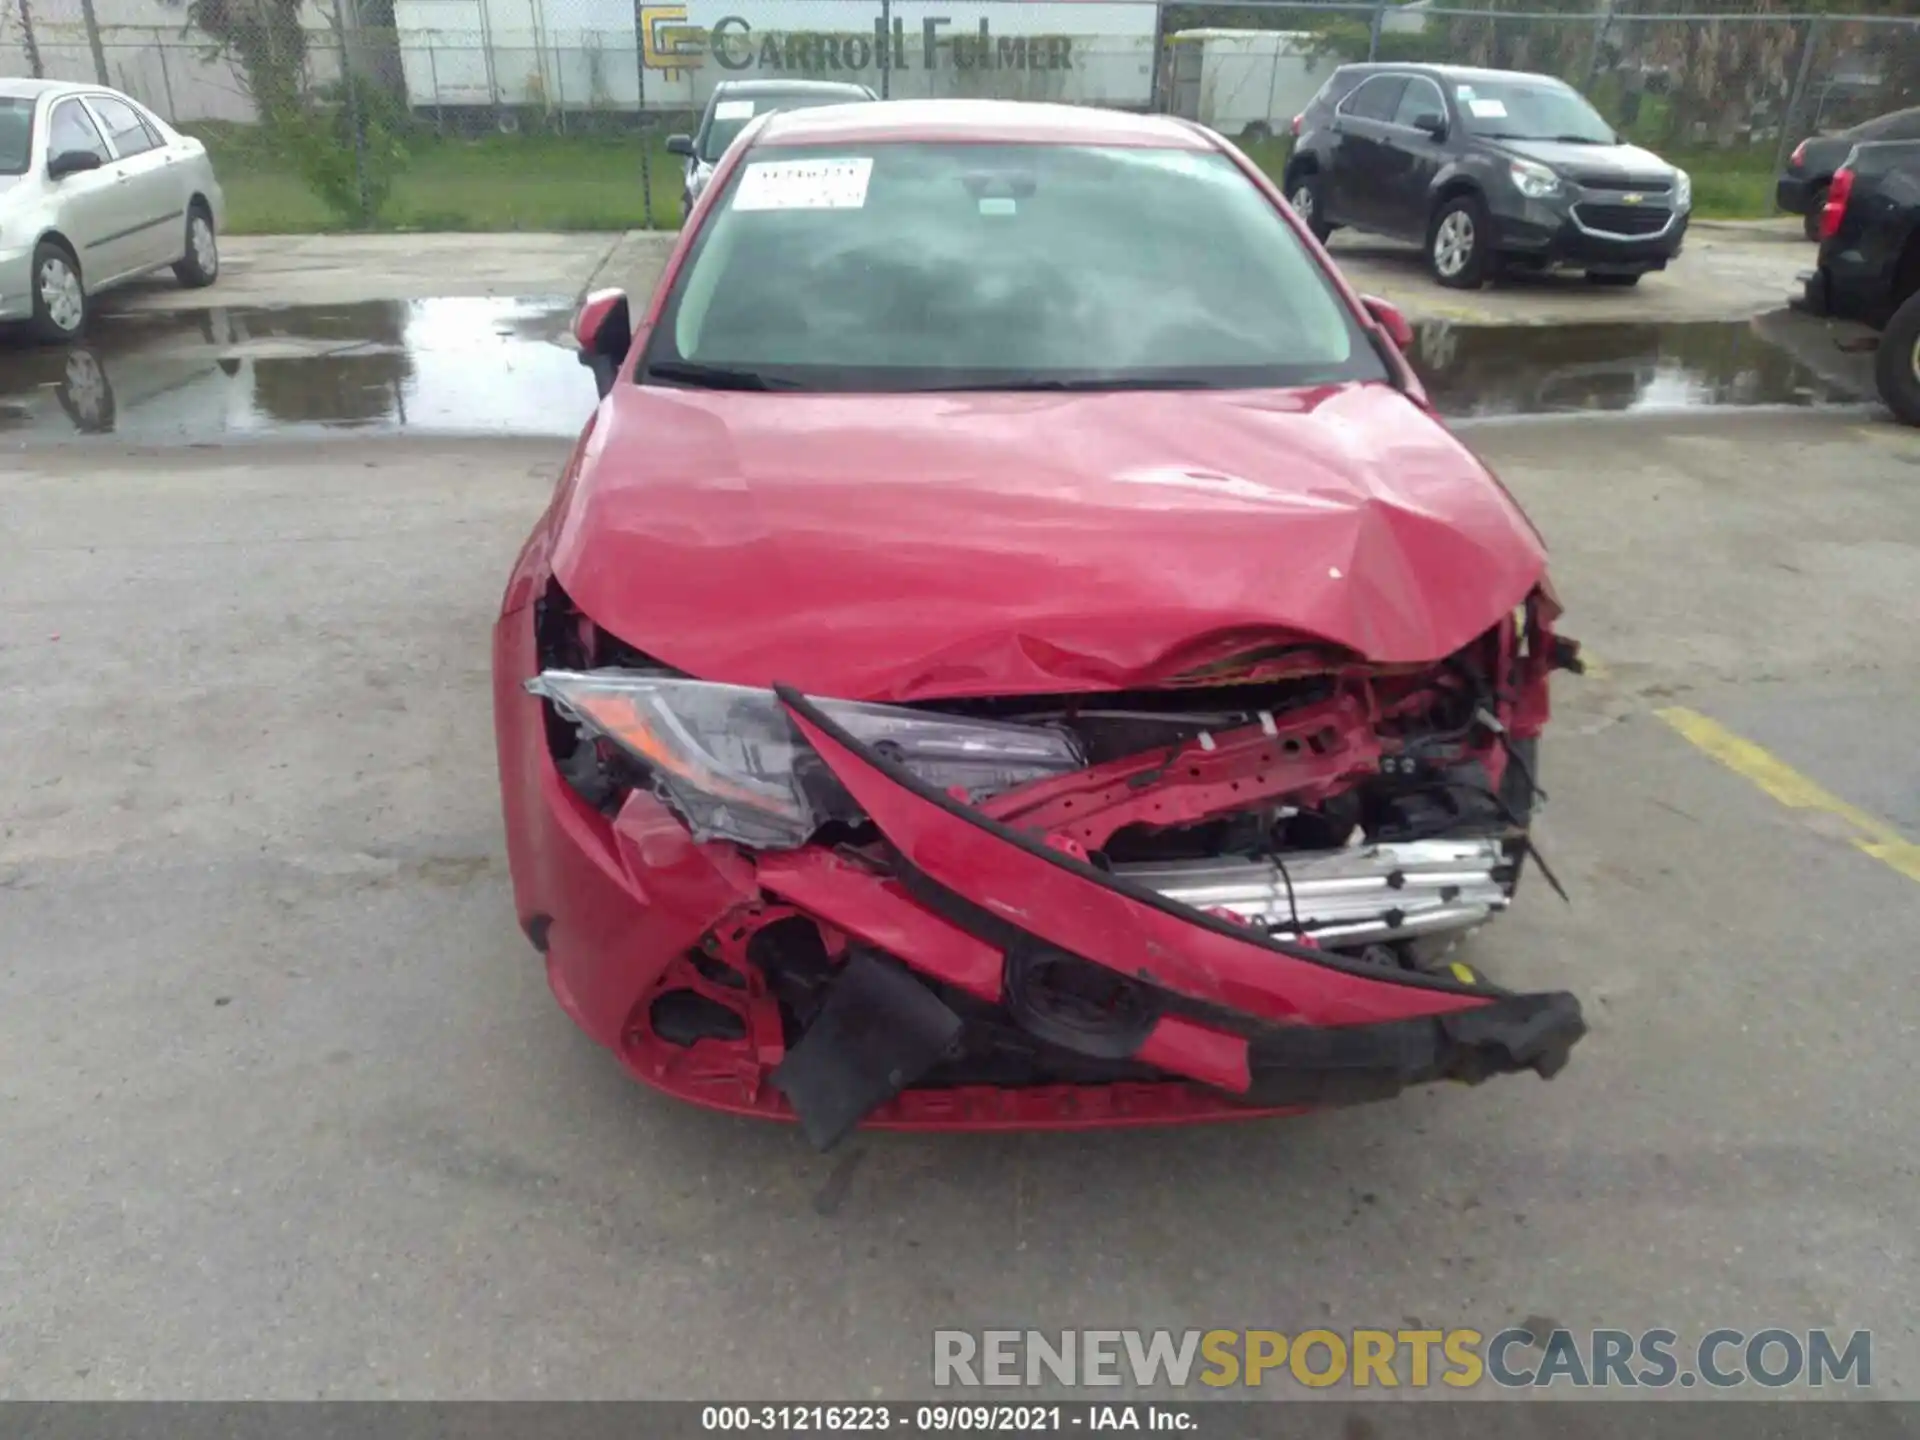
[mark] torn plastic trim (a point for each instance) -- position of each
(1240, 975)
(1352, 1065)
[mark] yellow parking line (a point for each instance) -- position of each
(1872, 835)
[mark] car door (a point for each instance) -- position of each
(88, 203)
(1414, 156)
(1364, 161)
(147, 172)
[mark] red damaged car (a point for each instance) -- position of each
(1013, 647)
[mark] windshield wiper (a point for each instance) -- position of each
(715, 377)
(1542, 139)
(1085, 383)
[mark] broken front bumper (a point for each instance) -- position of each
(963, 917)
(1263, 1022)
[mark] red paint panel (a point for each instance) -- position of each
(625, 897)
(878, 911)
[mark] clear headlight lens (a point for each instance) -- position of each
(1536, 182)
(730, 763)
(1682, 190)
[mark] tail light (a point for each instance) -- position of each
(1836, 206)
(1296, 126)
(1799, 156)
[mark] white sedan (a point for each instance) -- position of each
(94, 190)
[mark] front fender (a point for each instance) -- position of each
(1457, 174)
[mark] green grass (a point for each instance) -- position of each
(1731, 184)
(592, 182)
(499, 182)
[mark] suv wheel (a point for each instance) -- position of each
(1897, 363)
(1304, 197)
(1459, 243)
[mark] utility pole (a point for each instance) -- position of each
(29, 43)
(93, 42)
(1808, 48)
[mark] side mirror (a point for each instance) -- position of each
(680, 145)
(1388, 317)
(1434, 127)
(603, 329)
(71, 162)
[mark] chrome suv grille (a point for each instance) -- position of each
(1655, 185)
(1623, 219)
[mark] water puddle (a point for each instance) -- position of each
(493, 366)
(1484, 371)
(467, 365)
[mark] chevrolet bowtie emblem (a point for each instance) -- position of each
(1631, 198)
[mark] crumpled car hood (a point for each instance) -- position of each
(902, 547)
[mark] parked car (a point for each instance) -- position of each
(95, 190)
(1869, 268)
(1484, 168)
(1802, 186)
(732, 105)
(902, 716)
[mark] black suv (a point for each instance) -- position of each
(1485, 168)
(1870, 261)
(1803, 183)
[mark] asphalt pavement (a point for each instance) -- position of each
(286, 1110)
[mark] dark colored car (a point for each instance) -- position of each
(1802, 186)
(732, 107)
(1869, 267)
(980, 669)
(1485, 168)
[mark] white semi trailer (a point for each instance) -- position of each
(1245, 83)
(572, 55)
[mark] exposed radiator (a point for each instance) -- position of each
(1360, 895)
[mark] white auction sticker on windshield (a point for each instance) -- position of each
(1487, 109)
(805, 185)
(733, 110)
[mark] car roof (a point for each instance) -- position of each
(881, 122)
(1877, 120)
(25, 89)
(790, 87)
(1460, 73)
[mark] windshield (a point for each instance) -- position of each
(730, 117)
(1531, 109)
(16, 135)
(927, 267)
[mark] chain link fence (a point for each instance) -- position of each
(550, 114)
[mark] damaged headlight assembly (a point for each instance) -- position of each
(730, 764)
